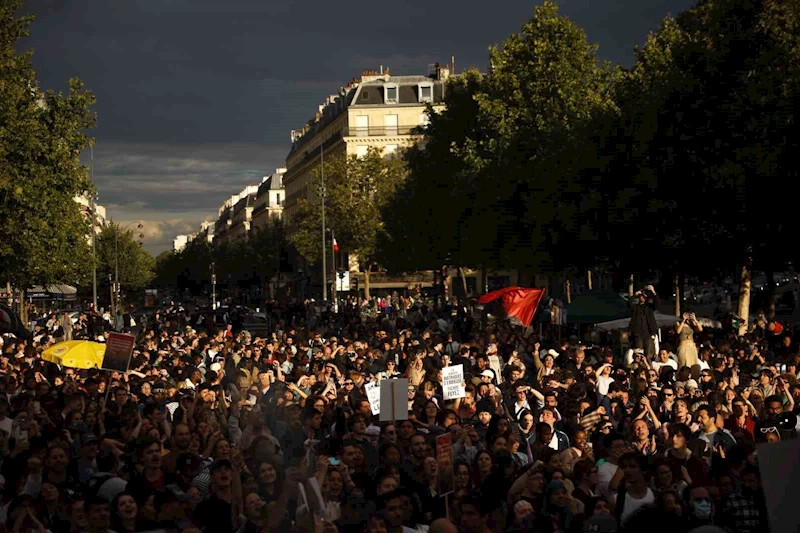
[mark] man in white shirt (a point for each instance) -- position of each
(636, 493)
(608, 469)
(664, 360)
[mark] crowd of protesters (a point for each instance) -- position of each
(212, 429)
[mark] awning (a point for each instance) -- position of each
(52, 292)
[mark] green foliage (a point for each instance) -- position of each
(306, 232)
(245, 263)
(119, 248)
(357, 192)
(488, 175)
(43, 235)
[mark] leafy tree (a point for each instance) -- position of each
(707, 131)
(491, 171)
(433, 195)
(358, 190)
(119, 251)
(43, 235)
(306, 231)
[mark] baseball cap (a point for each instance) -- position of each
(220, 463)
(601, 523)
(487, 373)
(88, 438)
(691, 384)
(216, 367)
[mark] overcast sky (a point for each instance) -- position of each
(196, 98)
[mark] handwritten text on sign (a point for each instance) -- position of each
(453, 380)
(374, 397)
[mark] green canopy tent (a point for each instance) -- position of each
(594, 307)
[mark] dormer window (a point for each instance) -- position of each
(426, 92)
(390, 94)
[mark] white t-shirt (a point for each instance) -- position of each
(6, 425)
(657, 365)
(602, 384)
(605, 473)
(632, 504)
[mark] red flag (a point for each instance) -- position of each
(335, 245)
(517, 302)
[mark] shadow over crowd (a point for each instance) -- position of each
(218, 429)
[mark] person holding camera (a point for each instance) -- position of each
(687, 349)
(643, 320)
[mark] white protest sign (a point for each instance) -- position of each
(394, 399)
(494, 364)
(453, 382)
(374, 396)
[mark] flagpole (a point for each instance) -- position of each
(322, 195)
(335, 274)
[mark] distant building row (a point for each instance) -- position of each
(376, 110)
(252, 208)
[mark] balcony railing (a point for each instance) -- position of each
(379, 131)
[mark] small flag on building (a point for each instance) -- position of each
(335, 245)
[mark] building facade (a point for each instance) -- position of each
(233, 220)
(86, 208)
(377, 110)
(269, 199)
(180, 242)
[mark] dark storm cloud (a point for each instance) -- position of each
(197, 97)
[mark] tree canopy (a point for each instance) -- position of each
(43, 234)
(358, 190)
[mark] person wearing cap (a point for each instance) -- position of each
(216, 514)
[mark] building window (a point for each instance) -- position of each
(390, 149)
(361, 150)
(390, 94)
(278, 199)
(426, 93)
(362, 126)
(390, 123)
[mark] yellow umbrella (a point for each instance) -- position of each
(76, 354)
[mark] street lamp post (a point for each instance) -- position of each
(324, 251)
(213, 285)
(93, 214)
(116, 262)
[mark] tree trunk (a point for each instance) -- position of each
(589, 279)
(366, 282)
(770, 293)
(630, 285)
(745, 282)
(677, 288)
(23, 309)
(568, 286)
(463, 277)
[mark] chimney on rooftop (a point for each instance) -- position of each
(381, 70)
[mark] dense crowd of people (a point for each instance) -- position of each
(219, 430)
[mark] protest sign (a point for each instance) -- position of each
(119, 348)
(374, 396)
(453, 382)
(444, 456)
(394, 400)
(780, 477)
(494, 364)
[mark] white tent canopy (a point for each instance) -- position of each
(662, 321)
(57, 292)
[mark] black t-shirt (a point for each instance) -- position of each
(214, 516)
